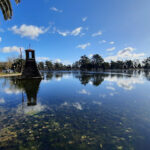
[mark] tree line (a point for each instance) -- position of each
(95, 63)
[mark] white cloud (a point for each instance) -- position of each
(11, 49)
(2, 101)
(83, 91)
(97, 33)
(58, 79)
(46, 81)
(12, 91)
(97, 103)
(58, 60)
(77, 106)
(111, 49)
(66, 62)
(64, 104)
(90, 83)
(66, 76)
(65, 33)
(102, 41)
(110, 88)
(112, 42)
(56, 9)
(125, 82)
(90, 55)
(31, 110)
(102, 95)
(0, 39)
(84, 19)
(74, 32)
(83, 46)
(42, 58)
(30, 31)
(126, 53)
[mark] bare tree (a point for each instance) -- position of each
(9, 62)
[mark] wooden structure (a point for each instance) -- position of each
(30, 69)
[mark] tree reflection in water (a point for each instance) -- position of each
(85, 78)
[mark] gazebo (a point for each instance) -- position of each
(30, 69)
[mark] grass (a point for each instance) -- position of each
(9, 74)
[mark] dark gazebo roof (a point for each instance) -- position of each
(29, 50)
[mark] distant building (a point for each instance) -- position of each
(30, 69)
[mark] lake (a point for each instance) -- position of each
(76, 111)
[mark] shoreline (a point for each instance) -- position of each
(10, 75)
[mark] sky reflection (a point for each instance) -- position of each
(81, 111)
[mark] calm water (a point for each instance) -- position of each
(74, 111)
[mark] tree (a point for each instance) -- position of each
(76, 65)
(113, 64)
(18, 64)
(58, 66)
(120, 64)
(10, 61)
(49, 65)
(41, 66)
(146, 63)
(67, 67)
(84, 62)
(105, 65)
(117, 65)
(2, 66)
(97, 61)
(6, 8)
(129, 64)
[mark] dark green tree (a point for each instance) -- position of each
(146, 63)
(49, 65)
(76, 65)
(41, 65)
(105, 65)
(129, 64)
(84, 63)
(97, 61)
(58, 66)
(18, 64)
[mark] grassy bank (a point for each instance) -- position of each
(9, 74)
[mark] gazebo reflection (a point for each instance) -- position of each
(30, 88)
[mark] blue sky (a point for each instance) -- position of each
(64, 30)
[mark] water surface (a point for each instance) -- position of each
(76, 111)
